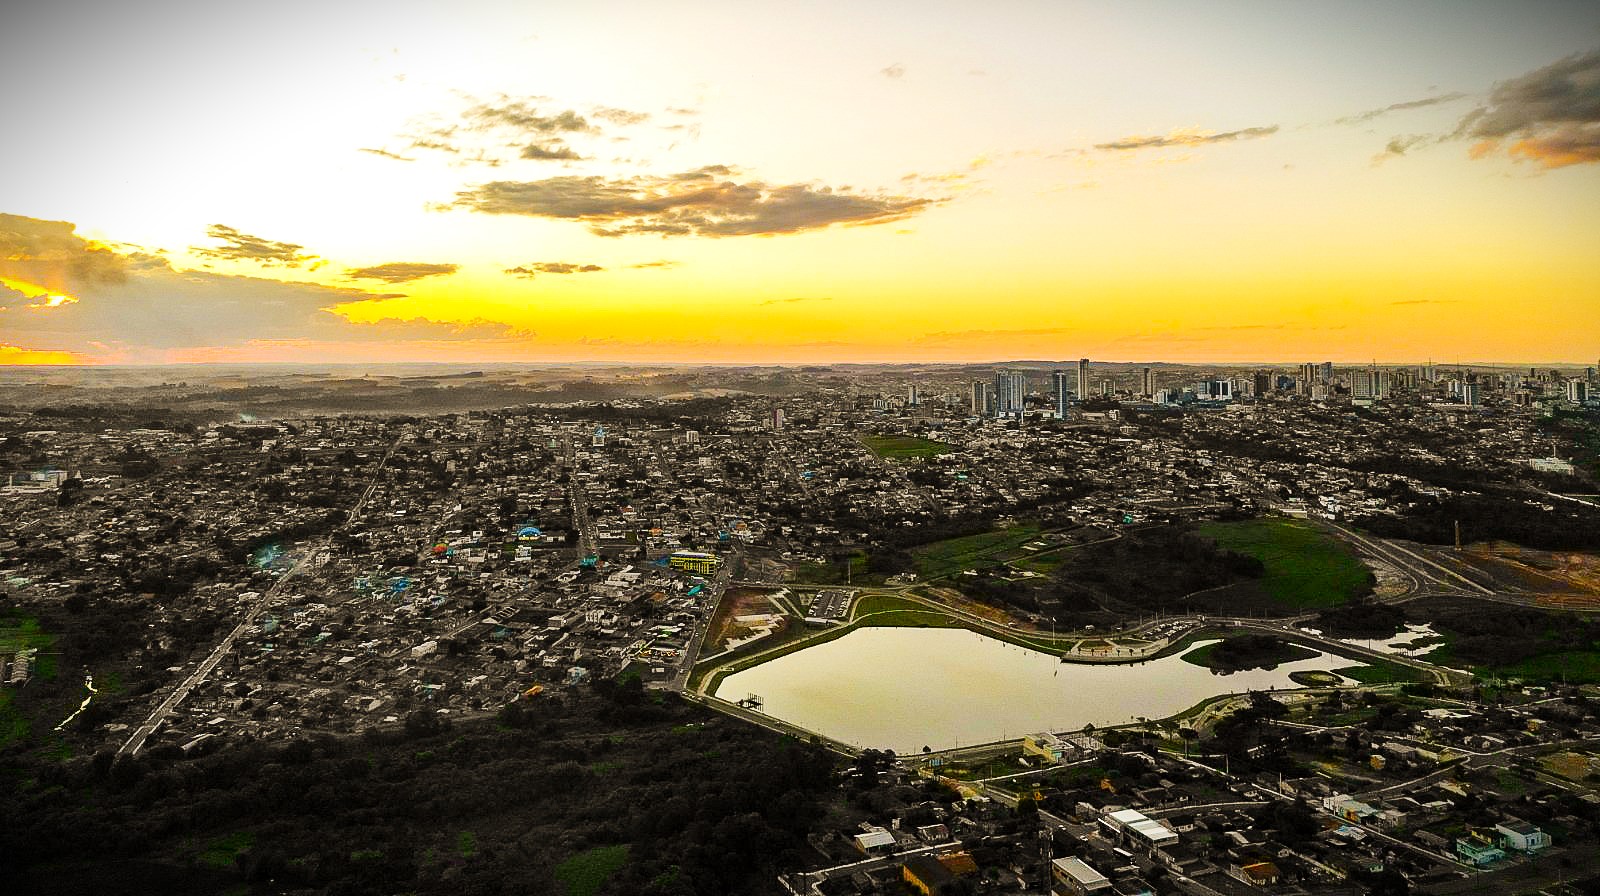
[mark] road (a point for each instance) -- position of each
(716, 587)
(588, 543)
(136, 740)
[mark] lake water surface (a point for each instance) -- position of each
(906, 688)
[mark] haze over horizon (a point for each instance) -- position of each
(727, 183)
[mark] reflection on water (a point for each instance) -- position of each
(905, 688)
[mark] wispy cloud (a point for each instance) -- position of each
(387, 154)
(238, 246)
(1184, 137)
(1370, 114)
(893, 72)
(1400, 145)
(659, 263)
(552, 267)
(702, 202)
(400, 271)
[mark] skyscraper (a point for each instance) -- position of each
(911, 395)
(1147, 383)
(980, 398)
(1010, 392)
(1263, 383)
(1058, 385)
(1083, 378)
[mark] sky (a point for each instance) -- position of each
(799, 182)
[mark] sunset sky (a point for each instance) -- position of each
(765, 182)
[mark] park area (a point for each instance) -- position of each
(1303, 567)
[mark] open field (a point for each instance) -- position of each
(905, 447)
(953, 555)
(834, 573)
(1305, 568)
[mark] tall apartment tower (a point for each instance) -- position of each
(1010, 392)
(1083, 378)
(1058, 388)
(1147, 383)
(980, 398)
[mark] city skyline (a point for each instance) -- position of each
(929, 184)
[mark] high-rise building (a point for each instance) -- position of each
(1105, 388)
(1469, 395)
(1083, 378)
(1263, 383)
(1058, 387)
(1147, 383)
(980, 398)
(1577, 391)
(1363, 385)
(777, 419)
(1010, 392)
(598, 438)
(911, 395)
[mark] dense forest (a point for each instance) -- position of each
(617, 788)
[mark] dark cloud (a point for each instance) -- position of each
(238, 246)
(894, 72)
(400, 271)
(553, 151)
(387, 154)
(552, 267)
(1186, 138)
(52, 254)
(620, 116)
(1400, 145)
(692, 203)
(1550, 116)
(1370, 114)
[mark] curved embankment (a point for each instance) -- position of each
(902, 609)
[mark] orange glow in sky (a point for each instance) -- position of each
(923, 181)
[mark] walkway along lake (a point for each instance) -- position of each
(906, 688)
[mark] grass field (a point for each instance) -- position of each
(953, 555)
(1379, 672)
(1304, 567)
(585, 873)
(834, 573)
(905, 447)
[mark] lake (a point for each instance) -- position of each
(906, 688)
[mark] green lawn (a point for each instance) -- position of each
(1380, 672)
(583, 874)
(953, 555)
(904, 447)
(1570, 666)
(1305, 568)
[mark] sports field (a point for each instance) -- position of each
(905, 447)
